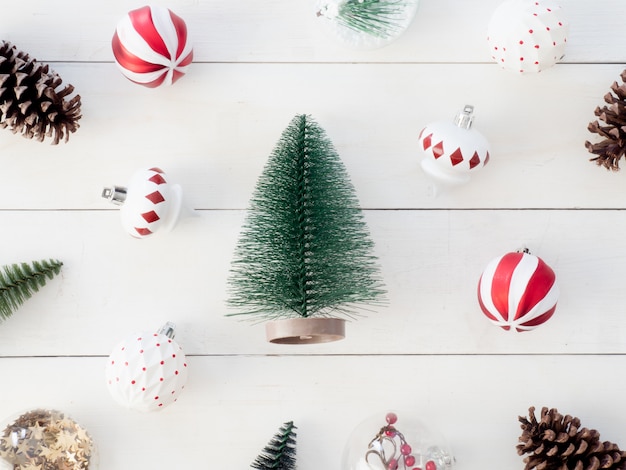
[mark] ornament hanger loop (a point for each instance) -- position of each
(465, 118)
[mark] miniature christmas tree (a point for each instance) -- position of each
(557, 442)
(379, 18)
(18, 282)
(305, 250)
(612, 148)
(30, 103)
(280, 452)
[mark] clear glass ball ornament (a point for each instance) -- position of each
(396, 441)
(45, 439)
(366, 24)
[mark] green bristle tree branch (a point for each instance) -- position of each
(280, 452)
(18, 282)
(305, 249)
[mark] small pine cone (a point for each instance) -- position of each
(30, 104)
(613, 147)
(557, 442)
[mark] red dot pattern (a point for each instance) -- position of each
(143, 366)
(546, 38)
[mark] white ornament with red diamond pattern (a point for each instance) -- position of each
(147, 371)
(527, 36)
(149, 202)
(452, 149)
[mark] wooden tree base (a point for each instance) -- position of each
(305, 330)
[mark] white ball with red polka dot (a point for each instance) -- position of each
(147, 371)
(527, 36)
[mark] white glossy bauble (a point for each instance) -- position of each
(146, 371)
(453, 150)
(527, 36)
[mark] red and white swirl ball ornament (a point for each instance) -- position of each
(147, 371)
(518, 291)
(151, 46)
(453, 150)
(527, 36)
(149, 202)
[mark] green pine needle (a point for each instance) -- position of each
(380, 18)
(18, 282)
(280, 452)
(305, 249)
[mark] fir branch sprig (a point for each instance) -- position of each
(280, 452)
(305, 250)
(379, 18)
(18, 282)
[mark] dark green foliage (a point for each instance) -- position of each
(280, 452)
(19, 281)
(305, 249)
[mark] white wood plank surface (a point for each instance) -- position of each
(429, 351)
(233, 405)
(213, 131)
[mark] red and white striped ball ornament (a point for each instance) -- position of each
(453, 150)
(151, 46)
(527, 36)
(149, 202)
(147, 371)
(518, 291)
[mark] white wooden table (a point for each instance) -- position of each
(430, 352)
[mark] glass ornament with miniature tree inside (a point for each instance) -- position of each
(304, 260)
(553, 440)
(366, 24)
(396, 441)
(612, 146)
(527, 36)
(151, 46)
(452, 149)
(280, 451)
(147, 371)
(518, 291)
(19, 281)
(32, 104)
(46, 439)
(149, 203)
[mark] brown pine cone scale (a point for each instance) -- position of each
(612, 148)
(30, 103)
(557, 442)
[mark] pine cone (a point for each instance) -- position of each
(558, 442)
(29, 102)
(613, 147)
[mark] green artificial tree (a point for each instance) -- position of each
(305, 251)
(18, 282)
(280, 452)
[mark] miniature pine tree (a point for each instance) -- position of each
(557, 442)
(18, 282)
(30, 103)
(612, 148)
(280, 452)
(305, 249)
(378, 18)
